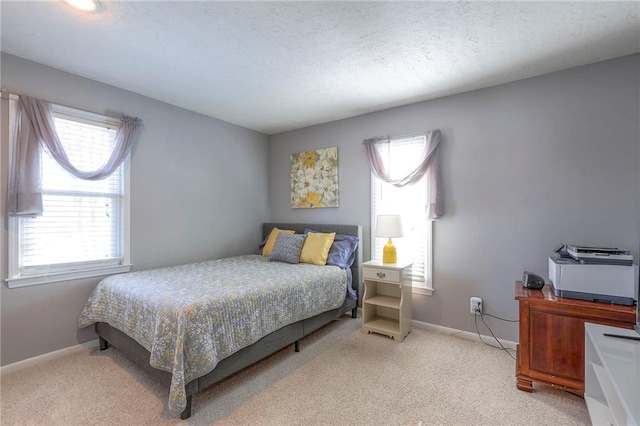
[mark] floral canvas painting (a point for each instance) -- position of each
(314, 179)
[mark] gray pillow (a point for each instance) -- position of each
(287, 248)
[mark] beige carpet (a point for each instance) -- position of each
(340, 377)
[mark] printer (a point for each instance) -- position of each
(599, 274)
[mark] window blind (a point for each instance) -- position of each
(400, 156)
(82, 223)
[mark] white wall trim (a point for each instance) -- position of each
(56, 277)
(462, 334)
(425, 291)
(40, 359)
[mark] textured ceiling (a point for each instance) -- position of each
(277, 66)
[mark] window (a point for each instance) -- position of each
(400, 156)
(83, 231)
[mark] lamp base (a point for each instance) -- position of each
(389, 253)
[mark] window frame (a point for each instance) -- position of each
(80, 269)
(418, 287)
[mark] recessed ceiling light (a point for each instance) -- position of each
(86, 5)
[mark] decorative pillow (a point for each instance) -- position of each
(287, 248)
(316, 248)
(266, 251)
(343, 250)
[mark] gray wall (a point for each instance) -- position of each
(526, 166)
(198, 191)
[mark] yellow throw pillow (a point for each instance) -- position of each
(316, 248)
(266, 251)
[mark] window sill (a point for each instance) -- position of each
(425, 291)
(66, 276)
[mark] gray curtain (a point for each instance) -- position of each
(429, 165)
(35, 128)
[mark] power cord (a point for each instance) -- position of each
(501, 347)
(502, 319)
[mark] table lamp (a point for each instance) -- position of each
(389, 226)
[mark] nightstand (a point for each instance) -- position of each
(386, 304)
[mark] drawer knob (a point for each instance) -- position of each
(381, 274)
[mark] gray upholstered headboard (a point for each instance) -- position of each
(355, 230)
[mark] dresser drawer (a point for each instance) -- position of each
(379, 274)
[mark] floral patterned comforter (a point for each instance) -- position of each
(189, 317)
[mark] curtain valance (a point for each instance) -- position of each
(428, 166)
(34, 129)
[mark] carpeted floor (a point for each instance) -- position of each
(340, 377)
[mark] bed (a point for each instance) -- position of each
(193, 325)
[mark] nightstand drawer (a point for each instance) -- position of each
(381, 275)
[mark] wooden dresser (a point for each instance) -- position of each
(551, 341)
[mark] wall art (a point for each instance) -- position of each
(314, 179)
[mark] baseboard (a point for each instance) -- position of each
(462, 334)
(455, 332)
(40, 359)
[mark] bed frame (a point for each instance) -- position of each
(269, 344)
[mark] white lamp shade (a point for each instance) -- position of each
(388, 226)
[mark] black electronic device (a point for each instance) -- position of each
(532, 281)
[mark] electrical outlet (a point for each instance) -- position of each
(475, 305)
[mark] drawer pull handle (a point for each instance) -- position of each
(381, 274)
